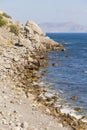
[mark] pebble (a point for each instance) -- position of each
(18, 124)
(4, 122)
(78, 109)
(48, 111)
(24, 125)
(54, 64)
(74, 98)
(60, 125)
(47, 128)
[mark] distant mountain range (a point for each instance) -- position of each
(63, 27)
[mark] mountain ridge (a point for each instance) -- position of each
(67, 27)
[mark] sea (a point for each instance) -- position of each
(67, 71)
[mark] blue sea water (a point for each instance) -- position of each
(69, 76)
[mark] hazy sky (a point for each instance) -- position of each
(46, 10)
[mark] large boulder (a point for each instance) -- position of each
(34, 27)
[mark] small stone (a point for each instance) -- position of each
(18, 124)
(4, 122)
(1, 113)
(16, 59)
(47, 110)
(74, 98)
(12, 102)
(60, 125)
(24, 125)
(47, 128)
(78, 109)
(54, 64)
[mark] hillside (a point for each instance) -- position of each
(22, 53)
(68, 27)
(24, 104)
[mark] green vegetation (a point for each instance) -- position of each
(2, 21)
(14, 29)
(6, 15)
(1, 17)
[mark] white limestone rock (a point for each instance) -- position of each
(36, 29)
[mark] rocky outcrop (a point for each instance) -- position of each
(25, 50)
(34, 27)
(33, 33)
(30, 35)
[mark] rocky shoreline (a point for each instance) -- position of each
(20, 60)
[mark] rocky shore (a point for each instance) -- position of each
(23, 104)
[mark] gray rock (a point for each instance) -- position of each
(34, 27)
(24, 125)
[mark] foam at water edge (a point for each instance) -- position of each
(72, 112)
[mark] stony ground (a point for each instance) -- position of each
(17, 112)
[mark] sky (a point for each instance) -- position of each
(42, 11)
